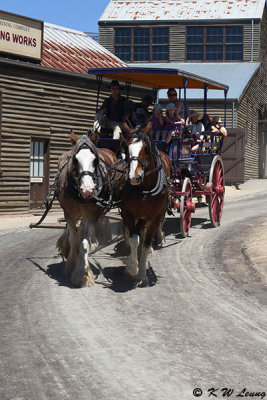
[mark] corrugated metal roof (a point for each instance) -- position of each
(172, 10)
(72, 50)
(236, 75)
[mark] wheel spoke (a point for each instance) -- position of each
(185, 213)
(213, 199)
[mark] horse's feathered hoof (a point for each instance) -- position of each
(87, 282)
(129, 276)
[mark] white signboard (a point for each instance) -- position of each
(36, 180)
(20, 35)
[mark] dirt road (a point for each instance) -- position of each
(200, 325)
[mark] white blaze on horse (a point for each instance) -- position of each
(81, 184)
(86, 160)
(144, 207)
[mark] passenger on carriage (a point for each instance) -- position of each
(219, 132)
(217, 127)
(172, 96)
(111, 114)
(157, 120)
(137, 115)
(172, 123)
(206, 122)
(195, 128)
(140, 113)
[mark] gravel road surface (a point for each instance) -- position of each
(201, 324)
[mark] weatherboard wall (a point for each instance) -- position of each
(35, 105)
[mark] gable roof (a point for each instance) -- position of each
(70, 50)
(182, 10)
(236, 75)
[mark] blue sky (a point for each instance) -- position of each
(76, 14)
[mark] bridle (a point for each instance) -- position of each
(86, 144)
(73, 181)
(161, 182)
(84, 173)
(144, 163)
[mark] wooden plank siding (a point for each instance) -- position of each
(177, 43)
(247, 118)
(40, 105)
(247, 37)
(106, 37)
(263, 44)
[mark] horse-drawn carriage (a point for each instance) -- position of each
(143, 184)
(198, 175)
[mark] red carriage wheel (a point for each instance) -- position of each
(217, 190)
(186, 208)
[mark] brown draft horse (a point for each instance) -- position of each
(82, 182)
(144, 206)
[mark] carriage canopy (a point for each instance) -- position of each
(158, 78)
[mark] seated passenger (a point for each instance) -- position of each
(219, 132)
(172, 122)
(172, 96)
(207, 125)
(216, 126)
(195, 127)
(206, 122)
(110, 115)
(157, 120)
(137, 114)
(140, 114)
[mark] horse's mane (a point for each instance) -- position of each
(139, 134)
(85, 142)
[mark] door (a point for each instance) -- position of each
(39, 172)
(233, 155)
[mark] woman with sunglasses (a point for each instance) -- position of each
(172, 96)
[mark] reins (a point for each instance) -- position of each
(104, 180)
(55, 190)
(161, 174)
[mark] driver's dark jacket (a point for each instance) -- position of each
(115, 110)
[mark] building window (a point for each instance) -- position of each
(142, 44)
(37, 159)
(215, 43)
(234, 43)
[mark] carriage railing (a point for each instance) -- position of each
(181, 145)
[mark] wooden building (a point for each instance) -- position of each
(221, 40)
(45, 91)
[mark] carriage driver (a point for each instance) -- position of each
(111, 114)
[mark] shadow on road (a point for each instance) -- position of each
(114, 277)
(172, 225)
(54, 271)
(119, 282)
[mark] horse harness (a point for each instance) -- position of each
(99, 175)
(161, 184)
(102, 196)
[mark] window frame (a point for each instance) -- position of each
(204, 43)
(37, 159)
(132, 45)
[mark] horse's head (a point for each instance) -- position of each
(138, 148)
(84, 159)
